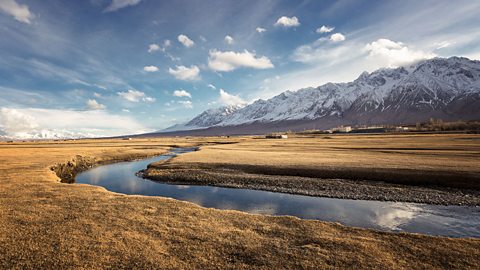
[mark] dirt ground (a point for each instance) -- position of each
(46, 224)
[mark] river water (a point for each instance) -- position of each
(453, 221)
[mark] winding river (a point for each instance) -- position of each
(453, 221)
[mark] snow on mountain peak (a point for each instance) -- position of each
(428, 85)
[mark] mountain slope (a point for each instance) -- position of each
(206, 119)
(441, 88)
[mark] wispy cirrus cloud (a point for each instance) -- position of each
(119, 4)
(186, 103)
(135, 96)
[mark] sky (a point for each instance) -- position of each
(112, 67)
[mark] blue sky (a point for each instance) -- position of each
(104, 67)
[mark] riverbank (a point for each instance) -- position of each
(50, 225)
(432, 169)
(331, 188)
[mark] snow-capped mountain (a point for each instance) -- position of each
(439, 87)
(206, 119)
(45, 134)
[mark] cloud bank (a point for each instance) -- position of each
(394, 54)
(36, 123)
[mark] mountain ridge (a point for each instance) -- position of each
(447, 88)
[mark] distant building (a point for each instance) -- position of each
(276, 136)
(127, 139)
(400, 129)
(342, 129)
(370, 129)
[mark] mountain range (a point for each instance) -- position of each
(442, 88)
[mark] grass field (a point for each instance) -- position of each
(440, 169)
(48, 224)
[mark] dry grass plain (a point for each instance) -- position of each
(45, 224)
(440, 169)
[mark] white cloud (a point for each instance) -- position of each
(126, 110)
(185, 73)
(150, 68)
(92, 104)
(136, 96)
(394, 54)
(260, 30)
(337, 37)
(14, 121)
(149, 99)
(20, 12)
(153, 48)
(186, 41)
(167, 43)
(286, 22)
(97, 95)
(50, 123)
(119, 4)
(229, 40)
(132, 95)
(229, 60)
(332, 62)
(229, 99)
(325, 29)
(211, 86)
(345, 61)
(186, 103)
(182, 93)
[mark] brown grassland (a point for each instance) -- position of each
(436, 169)
(53, 225)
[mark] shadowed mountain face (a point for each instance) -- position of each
(441, 88)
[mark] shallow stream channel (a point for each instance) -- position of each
(453, 221)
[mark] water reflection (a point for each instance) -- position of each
(437, 220)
